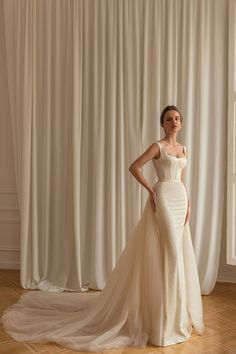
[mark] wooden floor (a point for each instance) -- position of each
(219, 318)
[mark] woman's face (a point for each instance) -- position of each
(172, 122)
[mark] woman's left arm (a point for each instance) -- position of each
(188, 209)
(182, 179)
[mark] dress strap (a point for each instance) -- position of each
(158, 142)
(160, 145)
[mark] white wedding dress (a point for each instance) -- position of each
(152, 296)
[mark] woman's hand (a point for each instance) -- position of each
(153, 199)
(188, 214)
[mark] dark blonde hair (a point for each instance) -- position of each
(170, 108)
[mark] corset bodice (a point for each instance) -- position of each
(168, 167)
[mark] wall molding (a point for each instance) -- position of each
(10, 209)
(8, 201)
(3, 221)
(9, 215)
(7, 192)
(9, 249)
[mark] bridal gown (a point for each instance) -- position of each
(152, 296)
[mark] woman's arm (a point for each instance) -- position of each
(182, 179)
(135, 169)
(188, 209)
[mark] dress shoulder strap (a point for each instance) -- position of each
(158, 142)
(160, 146)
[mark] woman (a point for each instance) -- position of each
(153, 294)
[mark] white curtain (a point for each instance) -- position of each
(87, 82)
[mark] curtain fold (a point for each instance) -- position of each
(87, 82)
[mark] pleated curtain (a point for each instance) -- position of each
(87, 81)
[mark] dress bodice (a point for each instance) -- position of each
(169, 167)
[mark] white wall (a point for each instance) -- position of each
(226, 272)
(9, 213)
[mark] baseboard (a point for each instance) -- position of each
(226, 279)
(9, 265)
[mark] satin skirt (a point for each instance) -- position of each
(152, 296)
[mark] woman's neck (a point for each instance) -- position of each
(171, 139)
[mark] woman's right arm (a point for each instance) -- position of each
(135, 169)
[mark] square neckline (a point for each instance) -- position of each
(175, 157)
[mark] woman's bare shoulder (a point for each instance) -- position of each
(154, 146)
(154, 150)
(157, 142)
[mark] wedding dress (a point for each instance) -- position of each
(152, 296)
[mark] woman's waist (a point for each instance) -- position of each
(169, 180)
(172, 188)
(169, 183)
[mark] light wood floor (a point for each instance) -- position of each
(219, 318)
